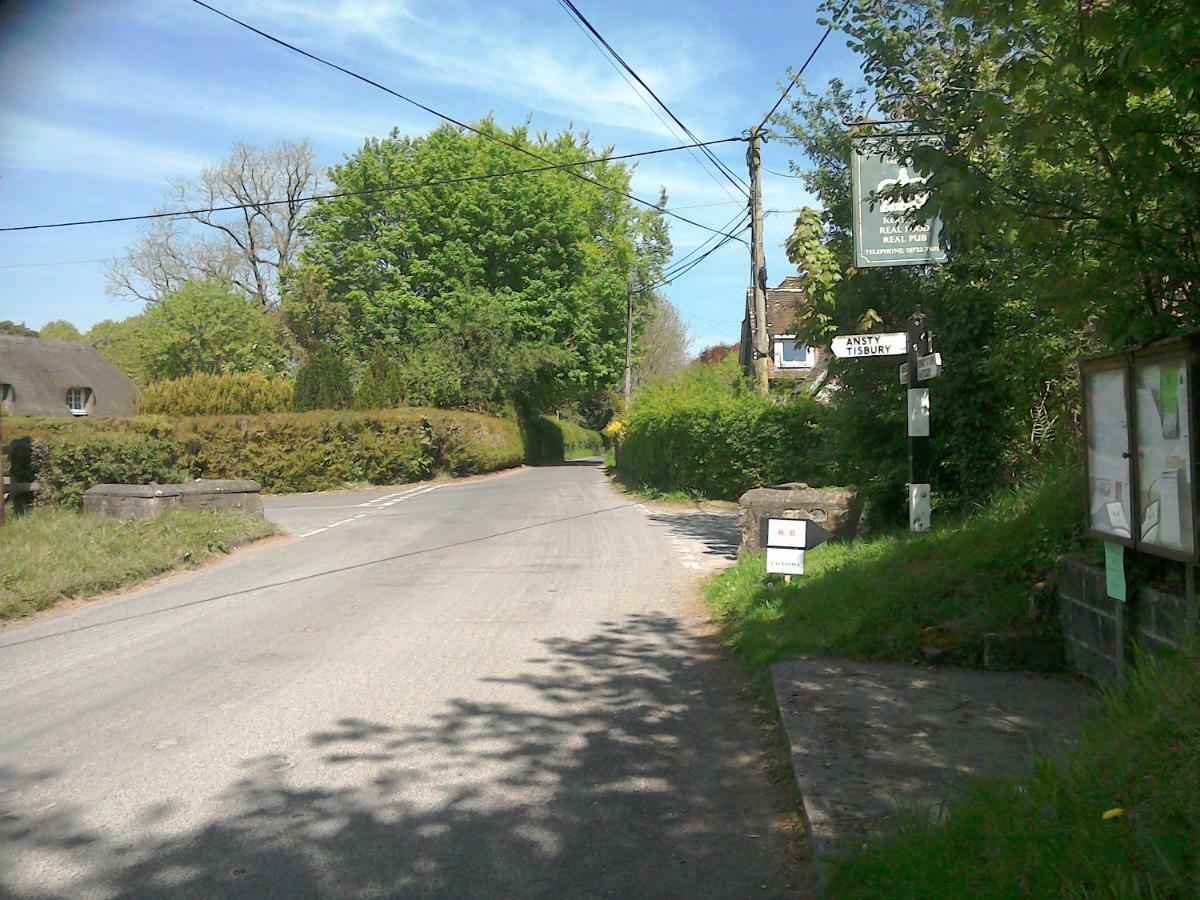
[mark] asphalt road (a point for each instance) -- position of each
(496, 688)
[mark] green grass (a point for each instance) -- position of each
(54, 554)
(1046, 835)
(871, 598)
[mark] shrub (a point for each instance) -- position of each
(72, 462)
(552, 440)
(721, 447)
(322, 383)
(282, 451)
(382, 385)
(243, 393)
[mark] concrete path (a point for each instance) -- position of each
(498, 688)
(874, 742)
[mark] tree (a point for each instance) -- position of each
(60, 330)
(121, 344)
(247, 247)
(661, 349)
(7, 326)
(206, 326)
(550, 251)
(323, 382)
(382, 385)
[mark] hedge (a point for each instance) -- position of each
(238, 393)
(284, 452)
(721, 447)
(551, 440)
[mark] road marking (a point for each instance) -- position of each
(375, 505)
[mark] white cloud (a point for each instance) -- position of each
(37, 145)
(545, 63)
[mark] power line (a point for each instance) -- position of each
(387, 90)
(728, 227)
(796, 77)
(173, 214)
(681, 270)
(645, 102)
(61, 262)
(573, 10)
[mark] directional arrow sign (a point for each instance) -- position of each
(852, 346)
(795, 534)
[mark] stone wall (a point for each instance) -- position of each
(1101, 633)
(837, 510)
(147, 501)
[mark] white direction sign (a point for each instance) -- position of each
(853, 346)
(785, 560)
(927, 367)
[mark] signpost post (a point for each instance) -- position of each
(786, 540)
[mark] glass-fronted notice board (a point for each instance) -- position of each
(1162, 398)
(1109, 472)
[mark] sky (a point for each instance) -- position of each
(103, 101)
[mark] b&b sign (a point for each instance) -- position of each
(786, 540)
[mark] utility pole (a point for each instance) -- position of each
(628, 340)
(760, 349)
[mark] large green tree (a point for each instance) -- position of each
(545, 255)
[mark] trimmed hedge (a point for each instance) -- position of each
(552, 440)
(720, 447)
(235, 393)
(285, 452)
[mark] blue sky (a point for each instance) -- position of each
(102, 101)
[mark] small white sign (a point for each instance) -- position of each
(929, 366)
(785, 561)
(787, 533)
(920, 510)
(918, 412)
(854, 346)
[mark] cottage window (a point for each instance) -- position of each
(7, 395)
(77, 400)
(789, 354)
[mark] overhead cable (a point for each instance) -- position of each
(484, 134)
(173, 214)
(575, 13)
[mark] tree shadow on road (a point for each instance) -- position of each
(623, 763)
(716, 530)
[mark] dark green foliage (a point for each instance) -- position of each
(241, 393)
(283, 451)
(7, 326)
(382, 385)
(550, 440)
(323, 382)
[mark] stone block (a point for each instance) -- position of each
(147, 501)
(837, 510)
(1015, 652)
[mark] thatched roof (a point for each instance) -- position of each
(41, 372)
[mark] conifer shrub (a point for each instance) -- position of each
(382, 385)
(201, 394)
(323, 382)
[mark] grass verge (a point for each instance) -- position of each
(871, 598)
(55, 554)
(1047, 835)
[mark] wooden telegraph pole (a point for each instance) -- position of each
(760, 349)
(628, 340)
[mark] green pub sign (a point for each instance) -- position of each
(884, 232)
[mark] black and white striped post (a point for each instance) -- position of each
(920, 347)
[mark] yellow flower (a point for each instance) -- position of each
(614, 428)
(1114, 812)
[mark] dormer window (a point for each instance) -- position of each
(78, 399)
(789, 354)
(7, 396)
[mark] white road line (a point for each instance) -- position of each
(375, 505)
